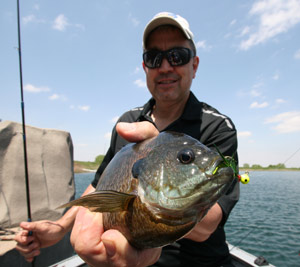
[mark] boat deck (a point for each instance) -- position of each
(240, 257)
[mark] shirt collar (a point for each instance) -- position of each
(192, 110)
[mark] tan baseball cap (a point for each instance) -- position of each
(167, 18)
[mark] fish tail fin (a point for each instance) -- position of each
(102, 201)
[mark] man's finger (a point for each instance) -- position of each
(136, 131)
(119, 251)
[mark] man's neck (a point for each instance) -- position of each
(164, 114)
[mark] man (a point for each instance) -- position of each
(170, 64)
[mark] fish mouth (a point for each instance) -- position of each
(216, 168)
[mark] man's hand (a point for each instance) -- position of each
(106, 248)
(45, 233)
(207, 225)
(110, 248)
(136, 131)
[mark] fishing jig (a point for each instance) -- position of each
(230, 162)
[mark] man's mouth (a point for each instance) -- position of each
(166, 81)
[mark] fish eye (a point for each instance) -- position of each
(186, 156)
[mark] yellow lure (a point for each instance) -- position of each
(245, 179)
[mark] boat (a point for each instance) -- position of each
(240, 257)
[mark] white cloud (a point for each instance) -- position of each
(244, 134)
(280, 101)
(84, 108)
(287, 122)
(203, 45)
(57, 97)
(232, 22)
(134, 20)
(33, 89)
(115, 119)
(32, 19)
(29, 18)
(245, 31)
(107, 135)
(297, 54)
(275, 77)
(60, 23)
(257, 85)
(255, 93)
(275, 17)
(36, 7)
(137, 70)
(54, 97)
(259, 105)
(140, 83)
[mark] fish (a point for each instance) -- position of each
(154, 192)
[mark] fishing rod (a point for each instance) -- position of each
(292, 155)
(23, 119)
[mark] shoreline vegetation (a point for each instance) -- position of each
(89, 166)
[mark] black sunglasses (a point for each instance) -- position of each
(176, 56)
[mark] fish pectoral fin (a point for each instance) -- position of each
(103, 201)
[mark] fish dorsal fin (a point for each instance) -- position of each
(103, 201)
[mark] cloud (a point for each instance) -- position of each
(203, 45)
(60, 23)
(255, 93)
(36, 7)
(280, 101)
(33, 89)
(57, 97)
(137, 70)
(107, 135)
(140, 83)
(134, 20)
(275, 17)
(258, 85)
(232, 22)
(245, 31)
(297, 54)
(259, 105)
(54, 97)
(114, 119)
(287, 122)
(84, 108)
(31, 19)
(275, 77)
(244, 134)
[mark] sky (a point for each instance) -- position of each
(82, 68)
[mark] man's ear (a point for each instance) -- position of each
(196, 61)
(144, 67)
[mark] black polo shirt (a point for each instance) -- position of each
(210, 127)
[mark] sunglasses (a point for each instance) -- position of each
(176, 56)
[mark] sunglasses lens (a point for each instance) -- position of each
(152, 58)
(176, 57)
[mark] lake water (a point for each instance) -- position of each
(266, 220)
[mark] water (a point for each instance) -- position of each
(266, 220)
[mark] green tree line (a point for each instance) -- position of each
(279, 166)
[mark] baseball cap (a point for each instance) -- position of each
(167, 18)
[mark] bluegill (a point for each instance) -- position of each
(156, 191)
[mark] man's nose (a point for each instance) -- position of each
(165, 66)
